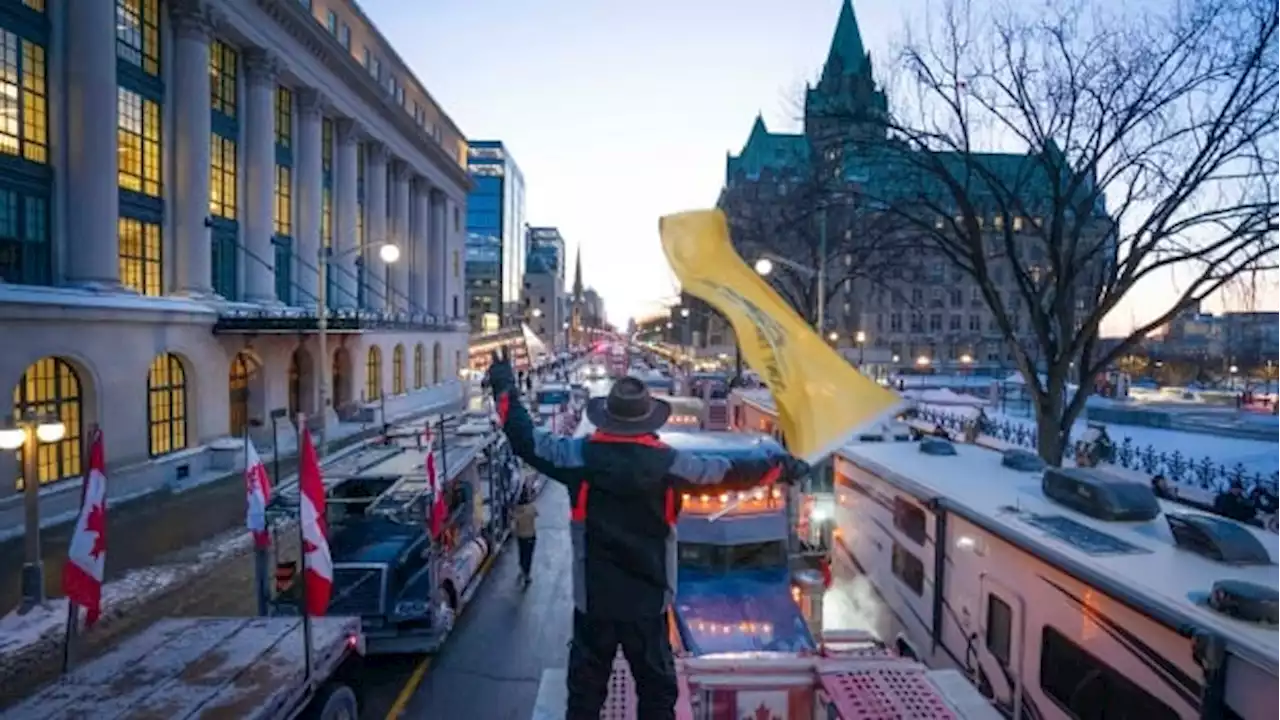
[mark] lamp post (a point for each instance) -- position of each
(389, 254)
(28, 433)
(764, 267)
(861, 339)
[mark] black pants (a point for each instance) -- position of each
(525, 546)
(647, 648)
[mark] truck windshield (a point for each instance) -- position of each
(723, 558)
(553, 397)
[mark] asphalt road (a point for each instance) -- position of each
(490, 667)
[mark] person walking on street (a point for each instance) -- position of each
(624, 488)
(526, 532)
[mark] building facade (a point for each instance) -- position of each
(919, 310)
(544, 290)
(161, 274)
(496, 245)
(547, 244)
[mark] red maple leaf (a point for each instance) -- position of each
(96, 523)
(762, 713)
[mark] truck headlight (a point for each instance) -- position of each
(411, 608)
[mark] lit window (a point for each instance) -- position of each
(373, 375)
(166, 405)
(24, 116)
(284, 117)
(1017, 224)
(51, 385)
(326, 217)
(37, 5)
(419, 367)
(397, 370)
(138, 142)
(284, 201)
(222, 78)
(222, 177)
(138, 33)
(139, 256)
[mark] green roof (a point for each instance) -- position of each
(767, 151)
(847, 55)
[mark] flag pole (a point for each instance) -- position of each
(302, 574)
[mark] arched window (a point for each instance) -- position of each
(419, 366)
(242, 369)
(50, 385)
(397, 370)
(295, 385)
(373, 374)
(437, 358)
(166, 405)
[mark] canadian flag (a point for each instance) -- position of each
(257, 488)
(82, 574)
(315, 541)
(436, 515)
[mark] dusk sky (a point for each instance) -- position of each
(618, 113)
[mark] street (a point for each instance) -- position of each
(491, 665)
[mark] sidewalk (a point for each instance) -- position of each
(147, 526)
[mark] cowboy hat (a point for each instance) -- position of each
(628, 409)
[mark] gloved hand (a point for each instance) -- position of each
(793, 469)
(501, 378)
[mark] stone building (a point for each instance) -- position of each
(160, 272)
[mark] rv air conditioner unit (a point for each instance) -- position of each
(1217, 539)
(1245, 601)
(1022, 460)
(1100, 496)
(936, 446)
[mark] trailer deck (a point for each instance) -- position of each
(241, 668)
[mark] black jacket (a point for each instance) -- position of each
(625, 497)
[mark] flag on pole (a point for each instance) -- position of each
(318, 564)
(86, 558)
(822, 400)
(435, 515)
(257, 493)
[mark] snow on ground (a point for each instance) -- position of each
(1255, 455)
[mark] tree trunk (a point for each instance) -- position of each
(1051, 431)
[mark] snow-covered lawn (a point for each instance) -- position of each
(1256, 456)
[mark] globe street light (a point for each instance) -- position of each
(860, 338)
(389, 253)
(28, 433)
(764, 266)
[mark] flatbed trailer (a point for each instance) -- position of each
(211, 668)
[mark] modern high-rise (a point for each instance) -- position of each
(159, 275)
(548, 244)
(495, 237)
(544, 290)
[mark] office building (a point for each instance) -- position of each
(495, 237)
(161, 272)
(548, 244)
(544, 291)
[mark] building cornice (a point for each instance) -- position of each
(302, 27)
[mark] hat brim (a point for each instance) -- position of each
(598, 414)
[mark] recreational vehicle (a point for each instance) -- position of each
(1060, 593)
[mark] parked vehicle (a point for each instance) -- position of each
(1061, 593)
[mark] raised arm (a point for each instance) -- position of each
(559, 458)
(698, 469)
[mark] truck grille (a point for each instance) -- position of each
(357, 591)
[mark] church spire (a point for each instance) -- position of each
(847, 56)
(577, 277)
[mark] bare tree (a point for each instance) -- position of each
(809, 216)
(1146, 152)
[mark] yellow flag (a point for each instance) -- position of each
(822, 400)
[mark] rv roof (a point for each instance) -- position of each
(1137, 562)
(762, 399)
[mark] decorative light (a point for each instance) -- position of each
(51, 432)
(12, 438)
(860, 337)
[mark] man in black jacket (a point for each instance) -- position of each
(625, 486)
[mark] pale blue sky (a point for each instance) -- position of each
(618, 113)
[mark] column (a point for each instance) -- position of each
(435, 254)
(192, 255)
(398, 293)
(308, 180)
(259, 157)
(375, 223)
(345, 206)
(420, 231)
(93, 244)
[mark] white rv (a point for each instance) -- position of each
(1061, 593)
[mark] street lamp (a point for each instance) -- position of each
(764, 267)
(832, 336)
(537, 313)
(861, 339)
(923, 361)
(684, 312)
(388, 253)
(29, 433)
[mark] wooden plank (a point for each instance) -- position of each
(203, 677)
(275, 683)
(108, 684)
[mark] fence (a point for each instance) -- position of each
(1205, 472)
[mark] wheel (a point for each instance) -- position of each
(445, 610)
(334, 702)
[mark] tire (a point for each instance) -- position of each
(335, 701)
